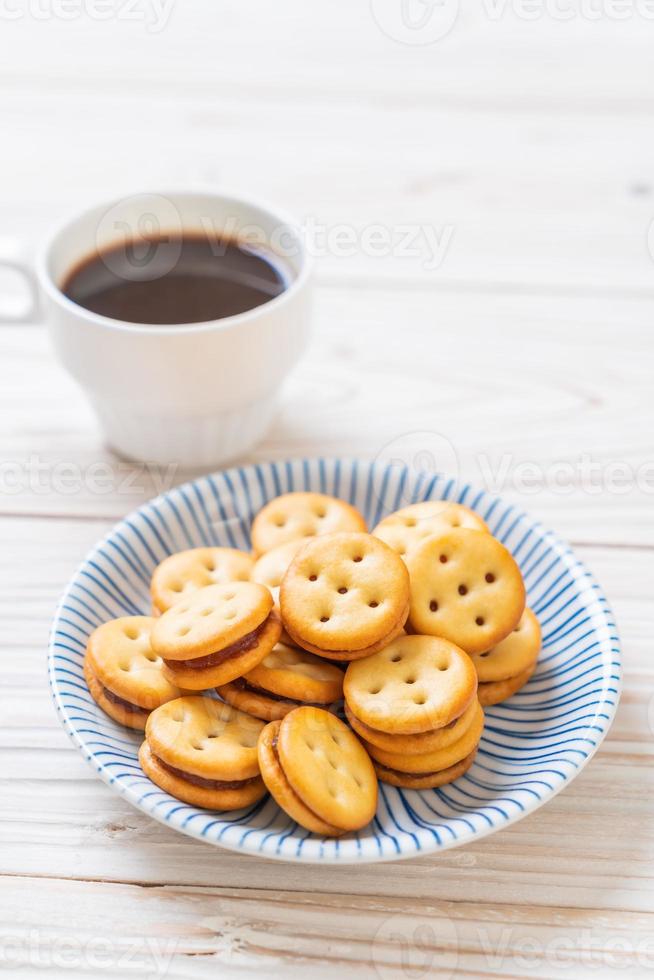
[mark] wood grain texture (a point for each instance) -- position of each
(527, 349)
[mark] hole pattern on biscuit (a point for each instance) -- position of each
(396, 659)
(489, 577)
(324, 619)
(433, 605)
(373, 604)
(358, 558)
(313, 578)
(479, 620)
(442, 559)
(342, 590)
(463, 589)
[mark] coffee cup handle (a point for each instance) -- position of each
(13, 258)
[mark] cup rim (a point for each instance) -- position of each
(50, 287)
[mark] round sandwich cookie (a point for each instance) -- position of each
(295, 516)
(405, 529)
(428, 763)
(345, 596)
(495, 691)
(513, 655)
(285, 679)
(187, 571)
(437, 738)
(125, 676)
(414, 685)
(466, 587)
(204, 753)
(318, 772)
(216, 634)
(432, 780)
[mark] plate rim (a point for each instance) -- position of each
(564, 552)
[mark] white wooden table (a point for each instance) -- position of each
(528, 146)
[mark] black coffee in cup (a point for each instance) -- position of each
(176, 279)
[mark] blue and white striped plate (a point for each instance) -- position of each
(531, 747)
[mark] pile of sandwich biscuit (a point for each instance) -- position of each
(326, 659)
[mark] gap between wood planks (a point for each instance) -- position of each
(315, 898)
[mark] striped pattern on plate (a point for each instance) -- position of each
(531, 746)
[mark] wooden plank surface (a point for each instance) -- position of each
(523, 354)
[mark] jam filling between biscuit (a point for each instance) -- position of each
(245, 644)
(201, 781)
(124, 703)
(418, 775)
(245, 686)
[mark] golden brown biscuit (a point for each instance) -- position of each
(437, 760)
(203, 752)
(431, 780)
(414, 685)
(404, 530)
(313, 757)
(124, 674)
(466, 587)
(187, 571)
(281, 790)
(344, 596)
(285, 679)
(513, 655)
(216, 634)
(437, 738)
(270, 568)
(302, 515)
(496, 691)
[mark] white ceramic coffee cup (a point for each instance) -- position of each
(195, 394)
